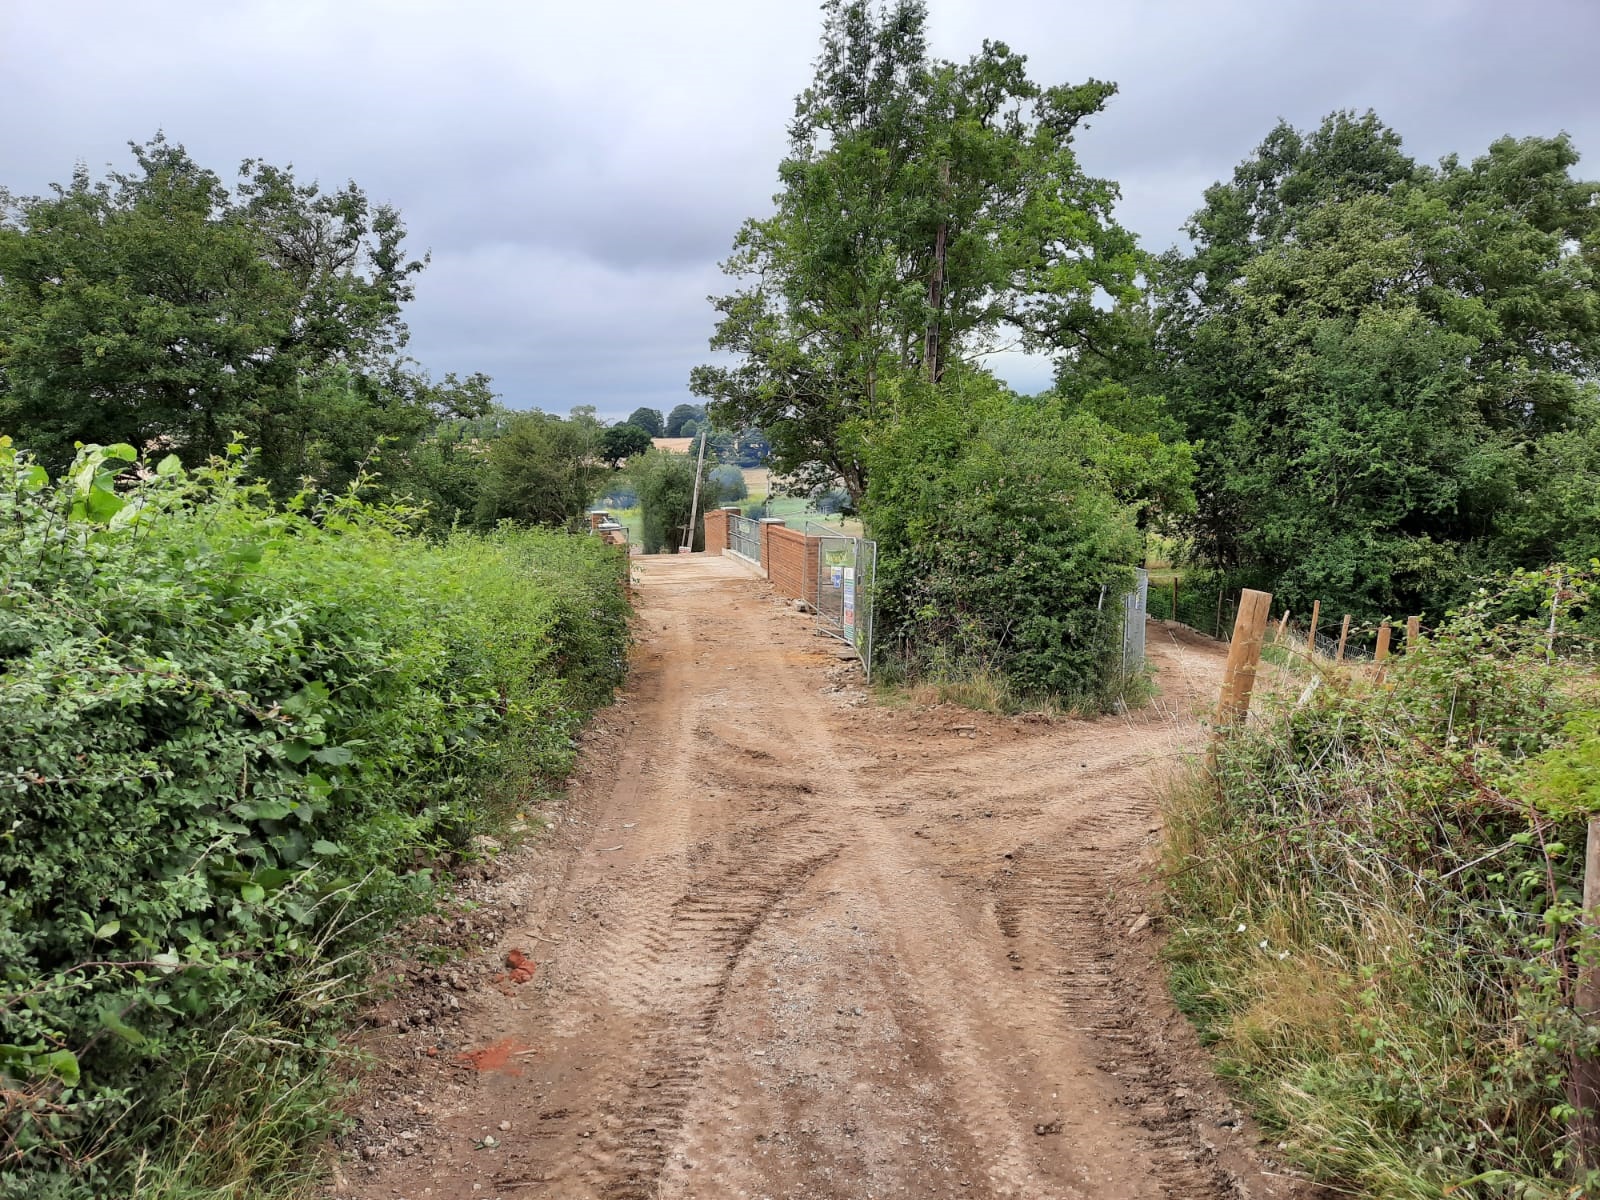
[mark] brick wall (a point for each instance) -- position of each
(790, 559)
(717, 529)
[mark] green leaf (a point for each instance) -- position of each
(170, 465)
(63, 1064)
(166, 962)
(111, 1020)
(335, 756)
(263, 810)
(297, 751)
(323, 846)
(102, 505)
(253, 893)
(109, 929)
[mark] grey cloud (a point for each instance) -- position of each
(578, 169)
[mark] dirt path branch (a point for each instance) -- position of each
(790, 943)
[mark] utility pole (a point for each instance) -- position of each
(694, 505)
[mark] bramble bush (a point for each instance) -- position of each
(237, 742)
(1374, 898)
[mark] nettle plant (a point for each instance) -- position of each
(235, 741)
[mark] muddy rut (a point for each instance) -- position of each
(791, 942)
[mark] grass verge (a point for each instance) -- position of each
(1373, 898)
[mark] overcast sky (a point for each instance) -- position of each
(577, 170)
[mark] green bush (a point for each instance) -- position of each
(730, 483)
(1007, 531)
(1374, 902)
(238, 742)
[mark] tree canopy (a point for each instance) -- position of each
(682, 415)
(928, 211)
(1372, 355)
(621, 442)
(160, 308)
(650, 420)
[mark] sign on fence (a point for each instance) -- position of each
(845, 568)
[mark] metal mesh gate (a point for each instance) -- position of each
(846, 570)
(744, 538)
(1134, 607)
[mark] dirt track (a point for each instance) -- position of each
(791, 943)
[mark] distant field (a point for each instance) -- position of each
(795, 511)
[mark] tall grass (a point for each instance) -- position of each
(1373, 896)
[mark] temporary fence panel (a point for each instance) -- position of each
(744, 538)
(1135, 606)
(846, 568)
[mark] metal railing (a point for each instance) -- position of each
(744, 538)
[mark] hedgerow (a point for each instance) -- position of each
(1375, 898)
(237, 742)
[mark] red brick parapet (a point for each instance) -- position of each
(717, 539)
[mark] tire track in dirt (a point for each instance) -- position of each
(798, 945)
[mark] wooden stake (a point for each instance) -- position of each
(1413, 632)
(1344, 636)
(1384, 633)
(1583, 1089)
(1244, 656)
(1283, 624)
(1311, 638)
(1174, 597)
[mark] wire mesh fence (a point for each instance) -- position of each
(1135, 608)
(846, 573)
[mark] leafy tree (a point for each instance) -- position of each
(649, 420)
(1371, 354)
(623, 441)
(543, 470)
(665, 487)
(750, 448)
(730, 483)
(158, 307)
(926, 206)
(445, 469)
(681, 416)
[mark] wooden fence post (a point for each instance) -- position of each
(1344, 636)
(1244, 656)
(1311, 638)
(1413, 632)
(1174, 597)
(1583, 1089)
(1384, 633)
